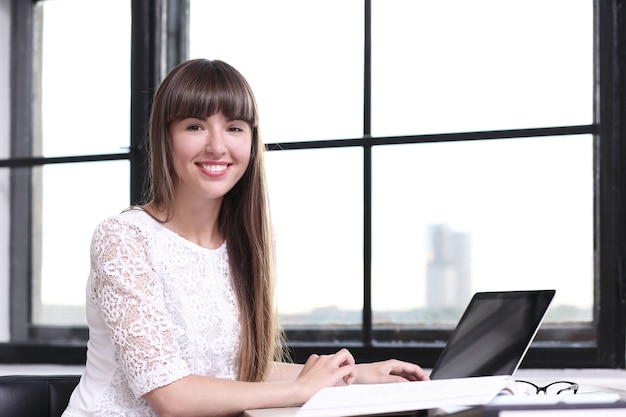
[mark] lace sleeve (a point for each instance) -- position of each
(130, 297)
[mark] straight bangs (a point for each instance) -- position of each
(212, 87)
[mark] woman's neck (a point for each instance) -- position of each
(196, 223)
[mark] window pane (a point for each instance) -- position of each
(5, 224)
(451, 219)
(304, 61)
(74, 199)
(482, 65)
(318, 221)
(85, 78)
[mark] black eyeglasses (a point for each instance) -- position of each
(554, 388)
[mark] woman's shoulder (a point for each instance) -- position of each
(131, 219)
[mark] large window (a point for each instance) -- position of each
(418, 153)
(448, 217)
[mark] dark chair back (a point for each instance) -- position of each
(35, 395)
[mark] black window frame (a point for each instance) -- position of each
(151, 57)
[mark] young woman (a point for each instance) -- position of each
(180, 301)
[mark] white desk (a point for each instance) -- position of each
(611, 378)
(272, 412)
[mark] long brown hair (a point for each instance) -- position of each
(201, 88)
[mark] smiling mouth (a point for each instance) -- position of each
(214, 168)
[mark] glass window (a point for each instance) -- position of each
(454, 218)
(85, 78)
(304, 61)
(74, 198)
(82, 108)
(443, 216)
(461, 65)
(5, 224)
(517, 213)
(318, 221)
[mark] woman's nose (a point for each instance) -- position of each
(216, 143)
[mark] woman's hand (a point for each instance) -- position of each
(321, 371)
(391, 370)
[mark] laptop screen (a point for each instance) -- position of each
(493, 334)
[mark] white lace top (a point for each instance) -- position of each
(159, 308)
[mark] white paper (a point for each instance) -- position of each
(363, 399)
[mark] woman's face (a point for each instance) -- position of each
(209, 155)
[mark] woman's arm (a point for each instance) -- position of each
(283, 372)
(205, 396)
(287, 385)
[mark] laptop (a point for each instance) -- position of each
(493, 335)
(492, 338)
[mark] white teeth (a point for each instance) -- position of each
(214, 168)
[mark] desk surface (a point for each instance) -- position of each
(272, 412)
(592, 377)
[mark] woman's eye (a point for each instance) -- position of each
(235, 129)
(194, 128)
